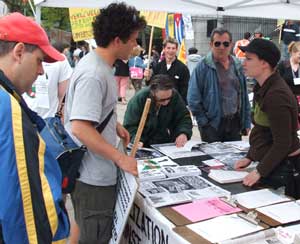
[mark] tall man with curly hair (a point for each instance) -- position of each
(91, 97)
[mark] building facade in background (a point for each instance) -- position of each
(203, 25)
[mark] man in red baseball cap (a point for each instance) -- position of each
(31, 208)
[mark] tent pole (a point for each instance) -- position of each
(38, 14)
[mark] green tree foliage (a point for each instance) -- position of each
(17, 6)
(51, 17)
(56, 18)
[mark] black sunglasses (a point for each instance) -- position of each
(163, 99)
(225, 44)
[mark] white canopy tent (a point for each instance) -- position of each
(275, 9)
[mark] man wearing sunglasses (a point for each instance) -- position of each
(168, 119)
(217, 94)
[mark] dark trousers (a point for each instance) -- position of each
(286, 174)
(229, 130)
(93, 208)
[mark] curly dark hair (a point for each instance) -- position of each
(116, 20)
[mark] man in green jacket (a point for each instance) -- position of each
(168, 119)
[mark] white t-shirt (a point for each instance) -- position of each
(45, 100)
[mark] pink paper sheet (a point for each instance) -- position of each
(205, 209)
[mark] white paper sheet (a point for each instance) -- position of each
(259, 198)
(227, 176)
(224, 228)
(283, 212)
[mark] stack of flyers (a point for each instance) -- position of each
(151, 174)
(155, 163)
(181, 170)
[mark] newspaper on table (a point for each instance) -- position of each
(151, 169)
(230, 158)
(240, 145)
(181, 170)
(177, 190)
(151, 174)
(190, 149)
(217, 148)
(145, 153)
(155, 163)
(289, 234)
(213, 163)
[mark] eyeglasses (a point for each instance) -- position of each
(225, 44)
(161, 100)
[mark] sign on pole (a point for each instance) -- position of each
(81, 22)
(156, 19)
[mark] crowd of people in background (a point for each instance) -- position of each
(90, 81)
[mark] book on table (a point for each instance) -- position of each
(223, 176)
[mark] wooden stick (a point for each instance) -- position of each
(140, 128)
(150, 46)
(280, 34)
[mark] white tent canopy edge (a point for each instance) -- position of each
(274, 9)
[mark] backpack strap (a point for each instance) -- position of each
(102, 126)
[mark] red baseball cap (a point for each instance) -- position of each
(16, 27)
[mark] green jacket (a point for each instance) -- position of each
(162, 126)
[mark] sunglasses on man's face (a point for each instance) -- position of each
(225, 44)
(161, 100)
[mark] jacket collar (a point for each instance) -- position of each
(209, 60)
(262, 90)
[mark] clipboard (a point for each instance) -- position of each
(193, 237)
(190, 235)
(261, 192)
(175, 217)
(179, 219)
(271, 220)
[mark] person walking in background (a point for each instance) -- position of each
(290, 33)
(192, 59)
(122, 77)
(217, 94)
(32, 208)
(136, 68)
(92, 99)
(50, 88)
(290, 70)
(257, 34)
(76, 56)
(155, 56)
(244, 42)
(274, 143)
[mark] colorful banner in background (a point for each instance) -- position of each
(81, 22)
(178, 27)
(156, 19)
(182, 52)
(188, 27)
(175, 28)
(170, 25)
